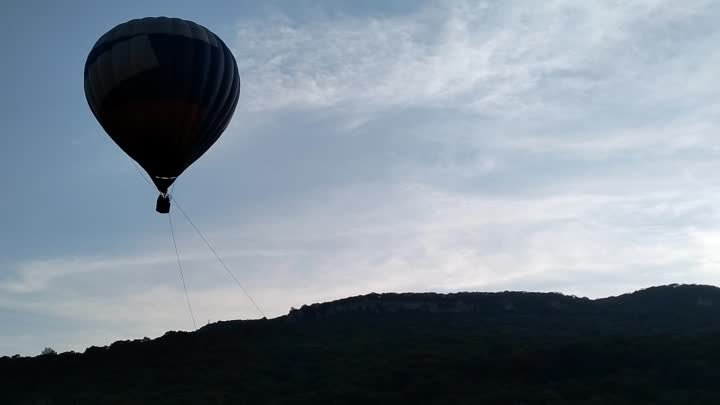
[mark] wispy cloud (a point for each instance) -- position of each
(597, 75)
(488, 51)
(418, 238)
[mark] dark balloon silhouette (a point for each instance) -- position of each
(164, 89)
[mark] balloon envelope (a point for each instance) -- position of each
(164, 89)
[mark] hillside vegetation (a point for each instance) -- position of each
(656, 346)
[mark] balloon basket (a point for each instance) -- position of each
(163, 204)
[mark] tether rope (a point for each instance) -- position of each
(207, 243)
(182, 277)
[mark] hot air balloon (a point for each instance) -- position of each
(164, 89)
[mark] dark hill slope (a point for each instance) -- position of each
(659, 345)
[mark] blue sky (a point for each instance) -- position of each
(389, 146)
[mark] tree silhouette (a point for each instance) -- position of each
(48, 351)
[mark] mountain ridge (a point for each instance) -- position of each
(430, 301)
(655, 345)
(478, 302)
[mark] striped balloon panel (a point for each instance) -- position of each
(164, 90)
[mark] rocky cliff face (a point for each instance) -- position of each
(435, 303)
(671, 298)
